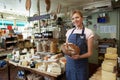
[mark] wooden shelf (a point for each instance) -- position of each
(9, 41)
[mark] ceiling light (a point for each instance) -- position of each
(116, 0)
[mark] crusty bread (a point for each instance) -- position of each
(70, 49)
(28, 4)
(48, 4)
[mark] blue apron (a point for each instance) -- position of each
(77, 69)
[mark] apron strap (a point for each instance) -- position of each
(83, 30)
(72, 31)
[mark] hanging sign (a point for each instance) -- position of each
(46, 16)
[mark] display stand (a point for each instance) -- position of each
(51, 76)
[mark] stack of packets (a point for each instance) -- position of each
(108, 69)
(109, 65)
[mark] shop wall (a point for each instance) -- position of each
(113, 21)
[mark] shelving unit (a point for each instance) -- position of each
(9, 42)
(102, 45)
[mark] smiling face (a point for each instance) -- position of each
(77, 19)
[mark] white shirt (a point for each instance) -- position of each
(88, 32)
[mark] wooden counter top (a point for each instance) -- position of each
(50, 75)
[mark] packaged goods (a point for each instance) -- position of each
(111, 50)
(109, 65)
(108, 75)
(111, 56)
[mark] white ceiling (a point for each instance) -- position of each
(17, 7)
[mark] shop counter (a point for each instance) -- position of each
(51, 76)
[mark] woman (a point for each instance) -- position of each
(77, 65)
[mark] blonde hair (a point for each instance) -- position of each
(77, 11)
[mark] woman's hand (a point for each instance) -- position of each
(75, 56)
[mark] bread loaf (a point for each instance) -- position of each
(28, 4)
(70, 49)
(48, 4)
(53, 47)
